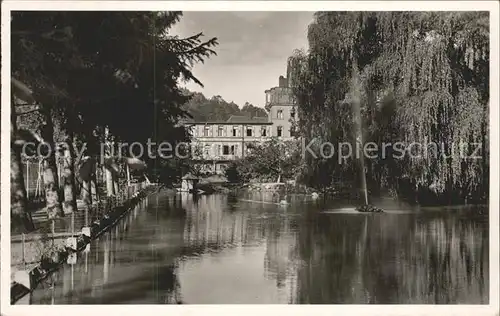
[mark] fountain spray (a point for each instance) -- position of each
(356, 104)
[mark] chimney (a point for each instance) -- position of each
(283, 82)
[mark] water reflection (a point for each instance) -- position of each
(395, 258)
(175, 249)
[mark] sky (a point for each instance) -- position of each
(252, 52)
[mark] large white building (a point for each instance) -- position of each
(220, 142)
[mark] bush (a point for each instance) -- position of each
(232, 174)
(267, 162)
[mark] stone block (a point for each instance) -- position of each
(86, 231)
(71, 243)
(23, 277)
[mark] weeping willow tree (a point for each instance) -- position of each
(423, 79)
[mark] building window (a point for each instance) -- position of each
(263, 131)
(292, 113)
(249, 131)
(206, 131)
(219, 150)
(207, 150)
(234, 148)
(225, 150)
(279, 114)
(235, 129)
(220, 131)
(292, 131)
(280, 131)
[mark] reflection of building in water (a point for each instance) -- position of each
(214, 226)
(280, 260)
(210, 226)
(216, 222)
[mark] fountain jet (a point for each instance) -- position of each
(356, 103)
(358, 122)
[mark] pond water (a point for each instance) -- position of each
(218, 249)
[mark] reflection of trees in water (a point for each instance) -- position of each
(393, 259)
(448, 261)
(168, 286)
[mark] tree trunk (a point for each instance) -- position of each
(86, 195)
(115, 185)
(116, 174)
(110, 189)
(20, 217)
(70, 205)
(93, 186)
(51, 185)
(128, 174)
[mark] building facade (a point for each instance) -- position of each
(281, 109)
(215, 144)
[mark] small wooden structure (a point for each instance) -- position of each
(189, 183)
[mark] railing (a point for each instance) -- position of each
(56, 251)
(27, 248)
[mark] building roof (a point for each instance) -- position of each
(246, 119)
(235, 119)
